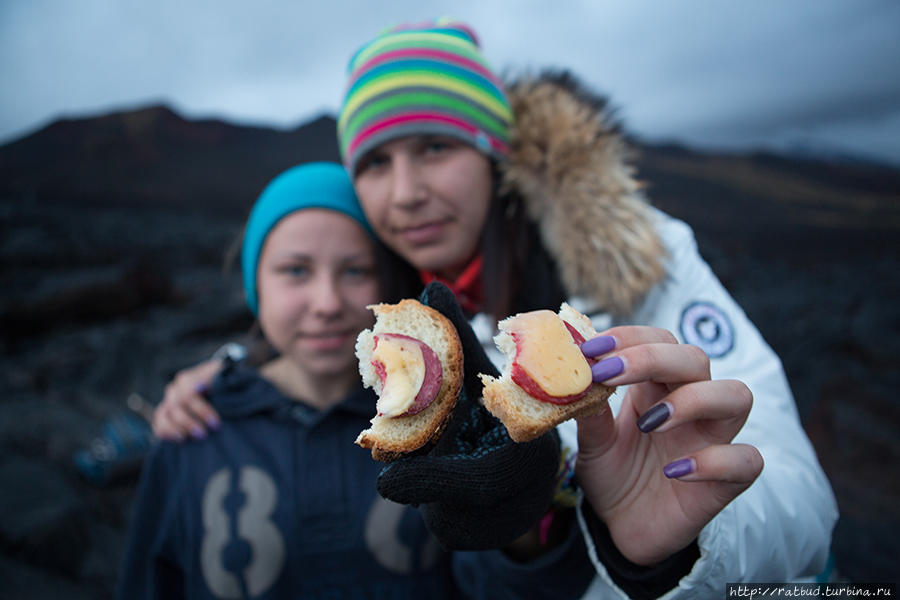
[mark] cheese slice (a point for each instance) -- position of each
(403, 374)
(547, 353)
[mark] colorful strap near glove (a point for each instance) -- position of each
(476, 488)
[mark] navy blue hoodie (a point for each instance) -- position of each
(280, 503)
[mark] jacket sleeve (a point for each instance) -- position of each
(563, 572)
(780, 528)
(150, 568)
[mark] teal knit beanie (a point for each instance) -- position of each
(312, 185)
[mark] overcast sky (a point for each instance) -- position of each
(732, 75)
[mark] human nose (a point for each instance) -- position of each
(407, 185)
(326, 300)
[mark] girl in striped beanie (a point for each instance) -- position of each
(520, 196)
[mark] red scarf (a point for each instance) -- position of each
(467, 288)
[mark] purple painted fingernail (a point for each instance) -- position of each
(213, 422)
(680, 468)
(607, 368)
(598, 345)
(656, 416)
(197, 432)
(202, 388)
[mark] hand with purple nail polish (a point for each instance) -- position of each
(184, 412)
(602, 369)
(598, 346)
(660, 470)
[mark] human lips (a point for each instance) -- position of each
(422, 233)
(326, 340)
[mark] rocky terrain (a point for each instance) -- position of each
(113, 236)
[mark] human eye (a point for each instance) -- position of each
(297, 271)
(434, 146)
(372, 162)
(358, 272)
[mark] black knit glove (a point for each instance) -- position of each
(476, 488)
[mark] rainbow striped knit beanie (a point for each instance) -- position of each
(426, 78)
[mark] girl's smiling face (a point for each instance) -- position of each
(427, 197)
(315, 277)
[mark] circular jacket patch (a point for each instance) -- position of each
(705, 325)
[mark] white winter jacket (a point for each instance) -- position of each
(780, 528)
(600, 229)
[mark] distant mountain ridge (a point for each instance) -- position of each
(154, 157)
(193, 181)
(769, 203)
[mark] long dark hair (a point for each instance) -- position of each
(518, 273)
(397, 278)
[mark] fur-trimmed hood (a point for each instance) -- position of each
(568, 162)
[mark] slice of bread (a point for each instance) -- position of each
(524, 416)
(389, 437)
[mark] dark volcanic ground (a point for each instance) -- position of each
(113, 232)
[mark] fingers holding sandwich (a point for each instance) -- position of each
(670, 382)
(633, 354)
(667, 461)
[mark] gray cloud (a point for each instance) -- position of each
(711, 74)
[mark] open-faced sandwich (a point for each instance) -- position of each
(547, 379)
(413, 359)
